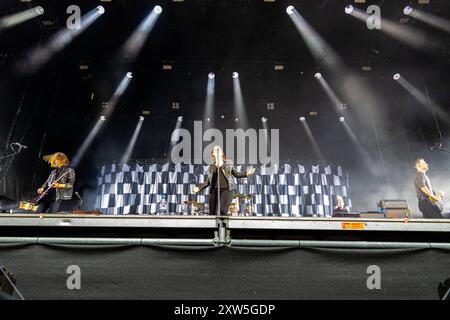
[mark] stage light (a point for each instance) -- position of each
(428, 18)
(341, 119)
(222, 116)
(133, 46)
(129, 75)
(240, 111)
(397, 76)
(42, 53)
(103, 118)
(424, 99)
(408, 10)
(290, 10)
(264, 119)
(180, 119)
(209, 101)
(101, 9)
(415, 38)
(236, 120)
(318, 76)
(20, 17)
(157, 9)
(302, 119)
(39, 10)
(141, 118)
(349, 9)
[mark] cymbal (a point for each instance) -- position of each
(193, 203)
(242, 196)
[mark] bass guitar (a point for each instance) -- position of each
(436, 203)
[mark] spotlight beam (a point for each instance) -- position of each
(423, 99)
(312, 140)
(209, 103)
(266, 138)
(432, 20)
(127, 155)
(118, 93)
(337, 103)
(20, 17)
(112, 103)
(368, 162)
(409, 36)
(239, 105)
(87, 142)
(134, 44)
(42, 54)
(355, 91)
(175, 136)
(321, 51)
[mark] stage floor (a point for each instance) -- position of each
(210, 222)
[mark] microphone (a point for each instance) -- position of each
(437, 145)
(21, 146)
(216, 156)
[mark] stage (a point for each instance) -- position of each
(171, 229)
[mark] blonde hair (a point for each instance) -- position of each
(61, 157)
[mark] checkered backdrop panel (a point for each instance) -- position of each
(288, 190)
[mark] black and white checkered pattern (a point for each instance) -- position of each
(290, 190)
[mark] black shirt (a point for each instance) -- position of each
(223, 180)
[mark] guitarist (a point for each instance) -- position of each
(61, 189)
(429, 201)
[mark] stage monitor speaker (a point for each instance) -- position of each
(395, 209)
(371, 215)
(397, 213)
(8, 290)
(393, 204)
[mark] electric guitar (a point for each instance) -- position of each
(437, 204)
(33, 205)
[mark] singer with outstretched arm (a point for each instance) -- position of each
(227, 181)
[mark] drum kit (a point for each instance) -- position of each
(242, 205)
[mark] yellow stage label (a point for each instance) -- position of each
(353, 225)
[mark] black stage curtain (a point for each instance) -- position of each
(111, 272)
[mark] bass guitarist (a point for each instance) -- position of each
(429, 202)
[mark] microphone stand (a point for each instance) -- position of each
(221, 234)
(218, 183)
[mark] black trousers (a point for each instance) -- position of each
(46, 206)
(226, 197)
(429, 211)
